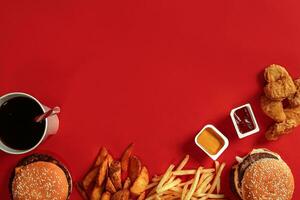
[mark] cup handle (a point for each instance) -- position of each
(53, 123)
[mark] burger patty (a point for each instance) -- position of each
(242, 167)
(251, 159)
(41, 157)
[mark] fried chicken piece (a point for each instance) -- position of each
(292, 121)
(294, 100)
(278, 129)
(280, 84)
(273, 109)
(293, 113)
(275, 72)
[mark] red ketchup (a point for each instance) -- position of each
(244, 120)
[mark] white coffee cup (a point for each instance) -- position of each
(51, 123)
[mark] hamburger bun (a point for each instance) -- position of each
(262, 174)
(40, 176)
(268, 178)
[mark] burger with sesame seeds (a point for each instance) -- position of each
(40, 177)
(262, 175)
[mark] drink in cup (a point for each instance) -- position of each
(19, 132)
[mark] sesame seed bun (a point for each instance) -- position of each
(259, 174)
(40, 176)
(268, 178)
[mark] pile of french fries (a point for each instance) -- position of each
(110, 179)
(176, 183)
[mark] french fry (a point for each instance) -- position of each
(142, 196)
(217, 165)
(127, 183)
(204, 184)
(96, 193)
(189, 182)
(170, 194)
(141, 182)
(203, 198)
(134, 168)
(101, 156)
(184, 172)
(170, 185)
(184, 191)
(102, 171)
(121, 195)
(156, 178)
(207, 188)
(183, 163)
(191, 172)
(194, 184)
(179, 168)
(216, 196)
(177, 189)
(89, 178)
(151, 185)
(213, 185)
(106, 196)
(110, 186)
(125, 158)
(165, 177)
(152, 192)
(82, 191)
(114, 172)
(202, 178)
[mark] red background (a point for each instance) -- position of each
(149, 72)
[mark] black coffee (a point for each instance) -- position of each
(17, 127)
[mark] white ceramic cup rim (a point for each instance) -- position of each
(17, 151)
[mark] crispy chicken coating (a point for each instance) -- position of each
(294, 100)
(280, 85)
(292, 121)
(273, 109)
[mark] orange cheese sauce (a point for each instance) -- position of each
(210, 141)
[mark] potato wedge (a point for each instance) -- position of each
(110, 186)
(96, 193)
(89, 178)
(141, 182)
(134, 168)
(142, 196)
(121, 195)
(110, 159)
(127, 183)
(106, 196)
(114, 172)
(102, 172)
(82, 191)
(125, 157)
(101, 156)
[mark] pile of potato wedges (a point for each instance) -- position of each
(110, 179)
